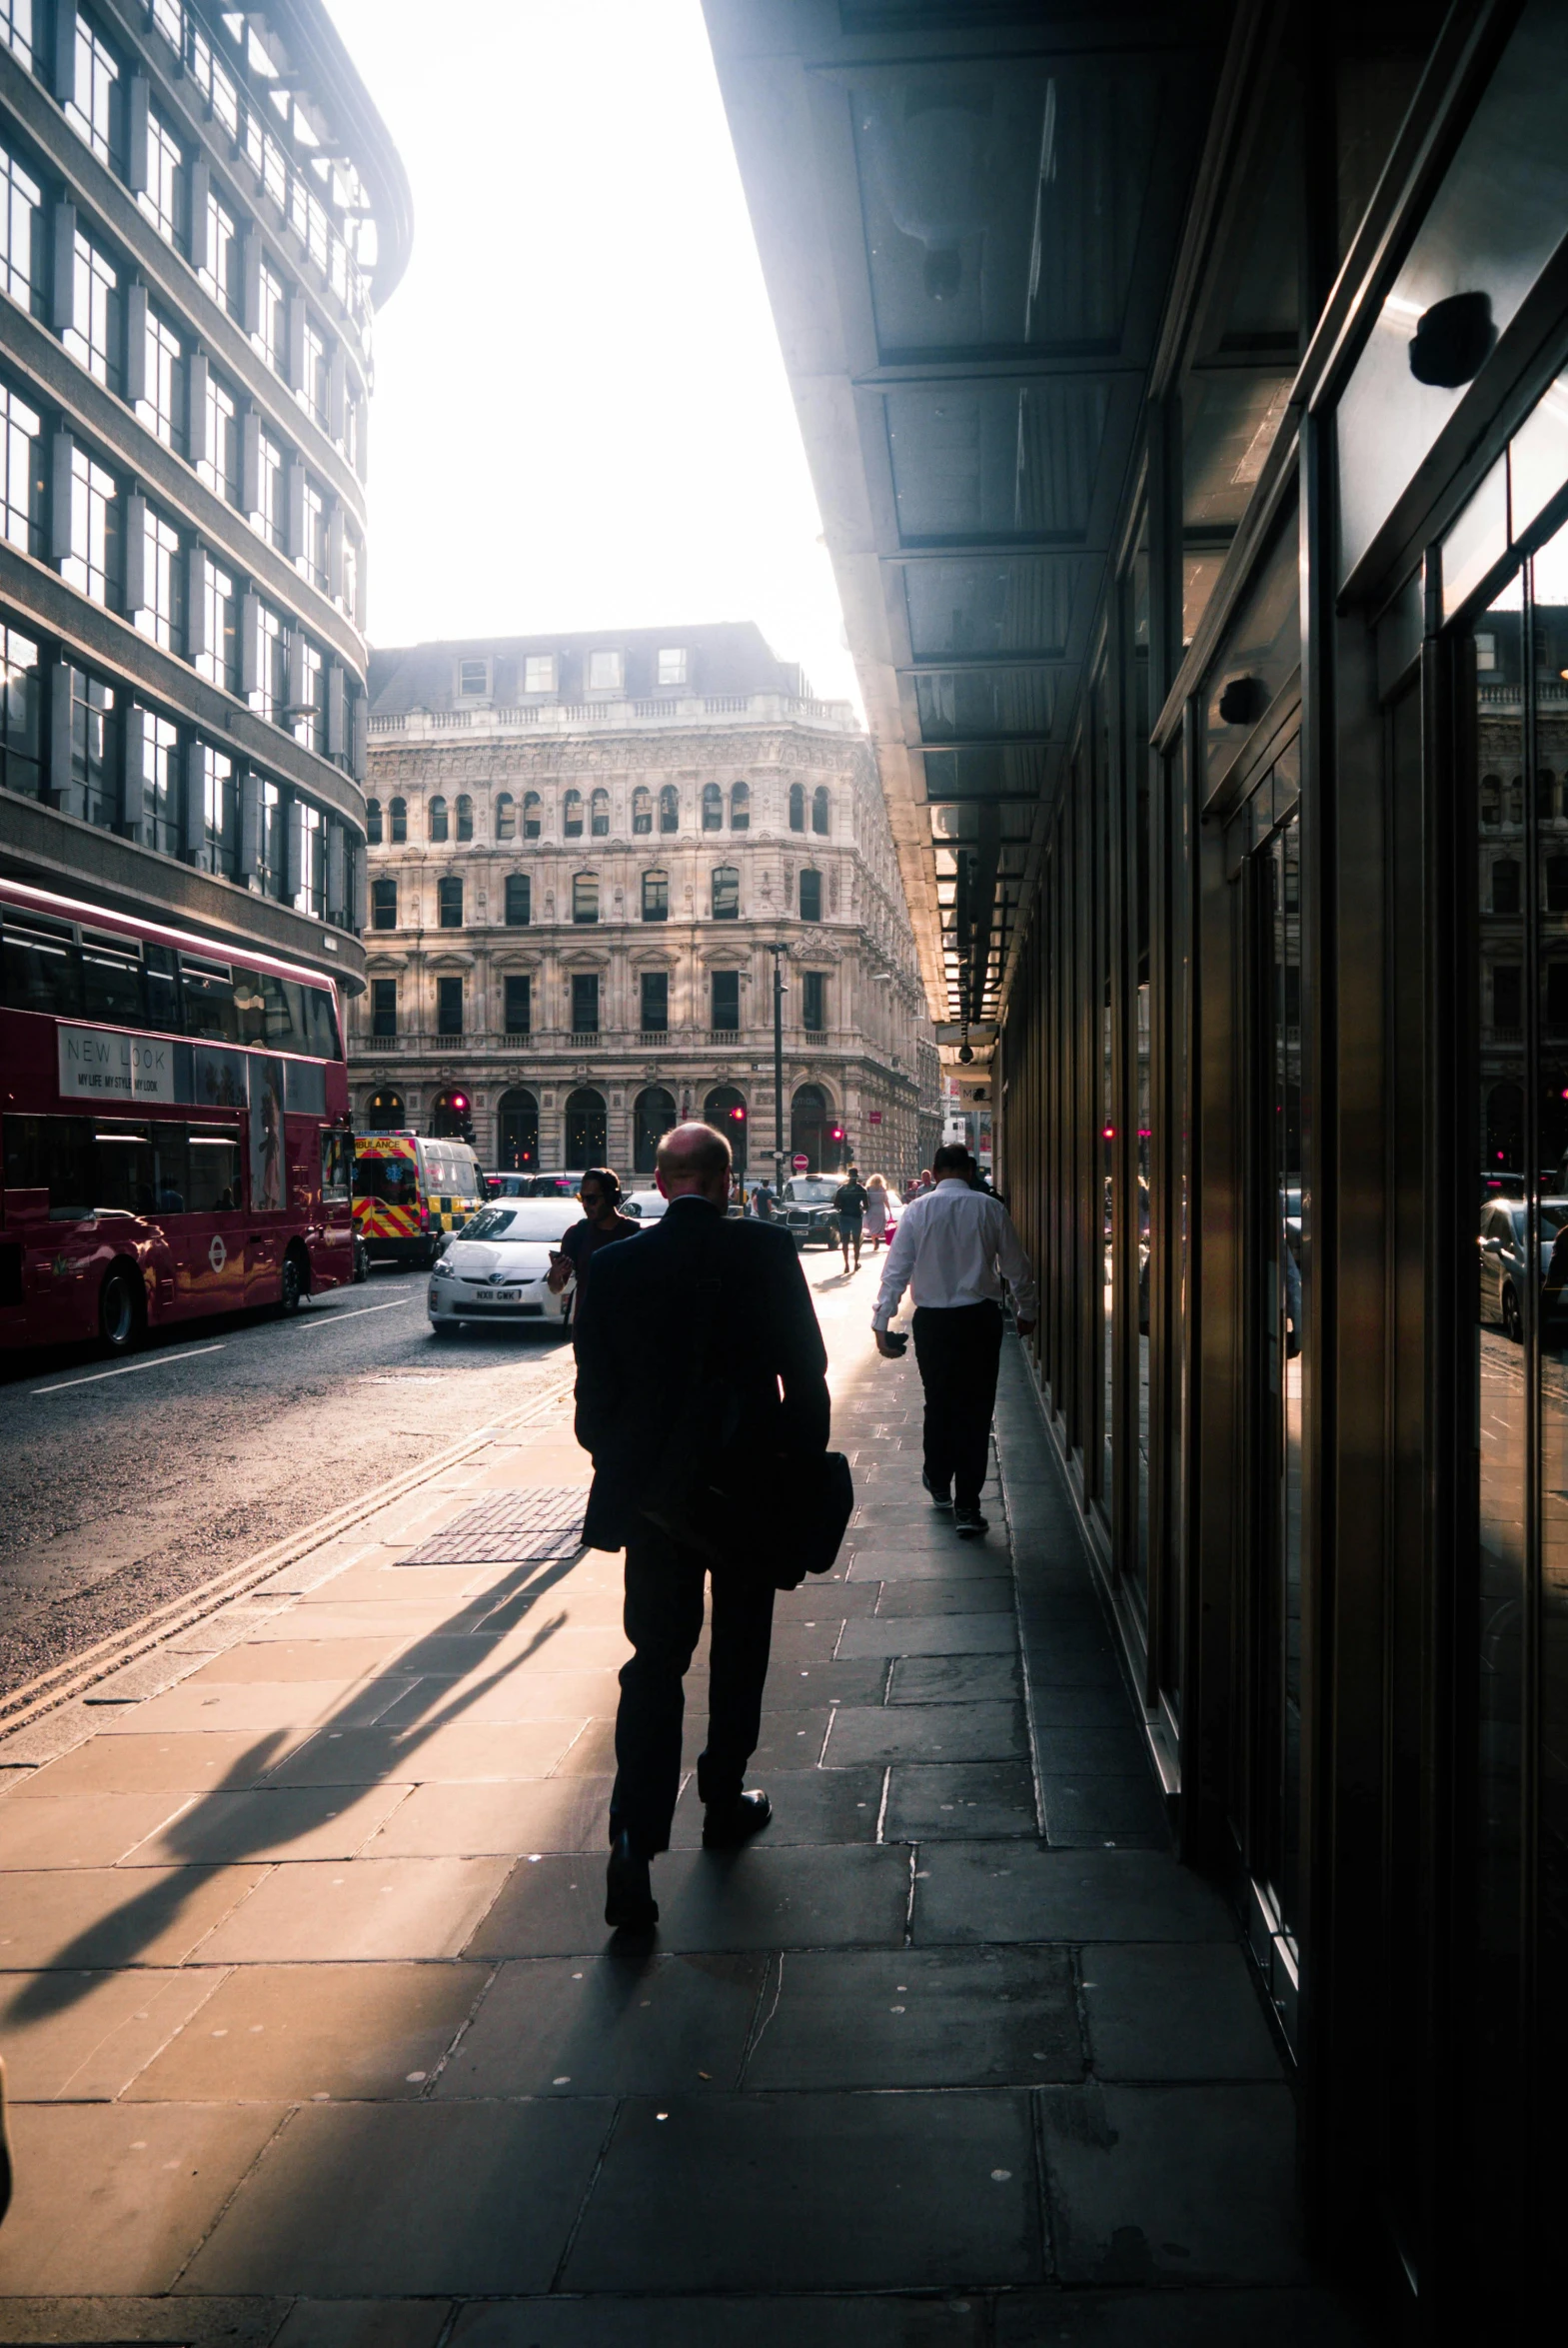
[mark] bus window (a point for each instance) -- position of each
(322, 1015)
(112, 979)
(305, 1088)
(207, 989)
(161, 978)
(250, 1007)
(337, 1166)
(40, 964)
(84, 1165)
(215, 1171)
(171, 1171)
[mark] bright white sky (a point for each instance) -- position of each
(580, 417)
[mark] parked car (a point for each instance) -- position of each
(1504, 1281)
(643, 1206)
(806, 1209)
(496, 1268)
(508, 1186)
(554, 1185)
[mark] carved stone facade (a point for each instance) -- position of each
(574, 901)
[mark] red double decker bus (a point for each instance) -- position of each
(176, 1136)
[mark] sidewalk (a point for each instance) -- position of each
(316, 2036)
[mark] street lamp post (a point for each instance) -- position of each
(779, 952)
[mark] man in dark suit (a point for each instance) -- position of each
(636, 1385)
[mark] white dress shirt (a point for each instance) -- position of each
(955, 1245)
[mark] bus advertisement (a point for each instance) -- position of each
(174, 1126)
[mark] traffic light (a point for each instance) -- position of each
(838, 1133)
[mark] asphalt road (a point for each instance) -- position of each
(124, 1484)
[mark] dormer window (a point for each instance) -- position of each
(472, 679)
(604, 671)
(671, 663)
(539, 673)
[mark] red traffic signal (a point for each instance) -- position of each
(838, 1133)
(739, 1113)
(459, 1102)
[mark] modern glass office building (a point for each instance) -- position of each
(198, 210)
(1185, 392)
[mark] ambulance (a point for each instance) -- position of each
(411, 1192)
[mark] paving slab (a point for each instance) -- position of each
(1184, 2012)
(1176, 2319)
(628, 2023)
(463, 1821)
(1118, 1751)
(993, 1595)
(79, 1830)
(865, 2321)
(1104, 1706)
(939, 1634)
(451, 1752)
(971, 1799)
(400, 2200)
(920, 2018)
(303, 2034)
(959, 1562)
(83, 2037)
(1007, 1891)
(269, 1822)
(499, 1692)
(300, 1659)
(952, 1679)
(162, 1764)
(927, 1732)
(749, 1899)
(92, 1917)
(115, 2197)
(1193, 2185)
(253, 1707)
(771, 2192)
(114, 2320)
(1096, 1812)
(365, 1908)
(814, 1806)
(365, 2323)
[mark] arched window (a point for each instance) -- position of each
(1491, 802)
(599, 814)
(1556, 887)
(385, 1114)
(1505, 886)
(585, 1127)
(506, 817)
(585, 897)
(450, 1117)
(727, 893)
(797, 806)
(572, 816)
(712, 807)
(641, 810)
(438, 818)
(820, 810)
(652, 1116)
(465, 817)
(668, 808)
(517, 1132)
(519, 901)
(399, 811)
(449, 904)
(373, 822)
(656, 897)
(809, 1128)
(739, 806)
(725, 1110)
(383, 905)
(810, 896)
(533, 814)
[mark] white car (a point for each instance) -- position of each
(495, 1267)
(645, 1206)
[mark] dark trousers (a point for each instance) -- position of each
(958, 1349)
(663, 1621)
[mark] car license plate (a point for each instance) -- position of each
(498, 1296)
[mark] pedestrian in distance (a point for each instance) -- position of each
(877, 1211)
(954, 1248)
(764, 1200)
(598, 1195)
(850, 1206)
(705, 1334)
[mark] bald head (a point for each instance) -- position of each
(694, 1159)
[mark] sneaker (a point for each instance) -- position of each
(969, 1522)
(940, 1499)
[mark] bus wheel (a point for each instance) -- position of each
(119, 1312)
(361, 1262)
(293, 1283)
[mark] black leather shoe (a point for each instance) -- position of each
(967, 1521)
(940, 1499)
(727, 1825)
(629, 1905)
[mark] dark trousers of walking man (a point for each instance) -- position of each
(958, 1349)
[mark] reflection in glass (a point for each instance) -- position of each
(1137, 1552)
(1285, 1222)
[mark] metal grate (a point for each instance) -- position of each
(545, 1520)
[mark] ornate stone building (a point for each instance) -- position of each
(582, 851)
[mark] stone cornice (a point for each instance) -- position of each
(667, 752)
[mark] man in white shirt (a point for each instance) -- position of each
(954, 1248)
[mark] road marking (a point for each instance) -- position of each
(327, 1318)
(157, 1362)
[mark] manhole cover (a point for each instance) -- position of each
(510, 1528)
